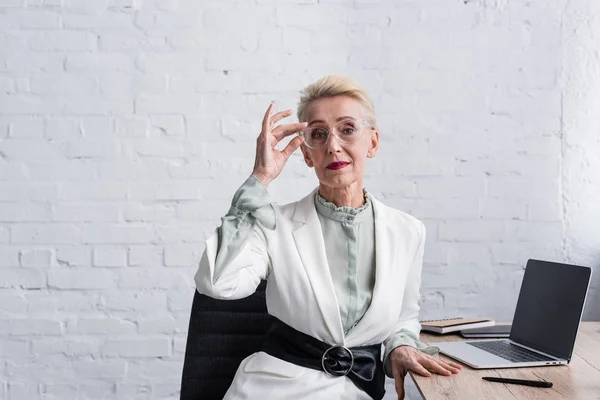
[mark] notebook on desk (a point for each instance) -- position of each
(448, 325)
(545, 324)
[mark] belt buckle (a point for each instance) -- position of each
(337, 373)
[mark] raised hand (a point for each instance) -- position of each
(269, 162)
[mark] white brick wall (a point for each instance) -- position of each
(127, 125)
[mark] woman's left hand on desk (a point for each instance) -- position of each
(406, 358)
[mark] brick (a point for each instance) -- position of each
(89, 149)
(100, 326)
(30, 19)
(62, 40)
(23, 149)
(451, 188)
(180, 302)
(73, 256)
(508, 209)
(4, 238)
(28, 278)
(80, 279)
(167, 391)
(24, 192)
(145, 256)
(181, 255)
(33, 327)
(132, 126)
(530, 231)
(153, 370)
(163, 325)
(116, 234)
(9, 257)
(548, 211)
(102, 19)
(63, 170)
(98, 104)
(64, 83)
(136, 212)
(69, 212)
(167, 104)
(62, 128)
(12, 303)
(169, 125)
(91, 62)
(177, 233)
(133, 391)
(59, 390)
(154, 279)
(179, 345)
(138, 347)
(100, 369)
(190, 169)
(67, 347)
(42, 304)
(110, 256)
(97, 191)
(20, 104)
(27, 128)
(446, 209)
(36, 258)
(473, 231)
(13, 348)
(22, 390)
(44, 234)
(136, 301)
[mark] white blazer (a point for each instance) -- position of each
(300, 292)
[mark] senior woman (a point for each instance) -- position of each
(343, 270)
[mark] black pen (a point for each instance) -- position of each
(525, 382)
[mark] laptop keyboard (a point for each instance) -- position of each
(509, 351)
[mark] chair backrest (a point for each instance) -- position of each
(221, 334)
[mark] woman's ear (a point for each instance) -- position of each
(374, 145)
(307, 159)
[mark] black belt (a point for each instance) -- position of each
(362, 365)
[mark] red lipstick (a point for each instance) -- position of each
(337, 165)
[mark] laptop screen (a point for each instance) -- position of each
(549, 307)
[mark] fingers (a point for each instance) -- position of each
(266, 123)
(280, 115)
(450, 366)
(292, 146)
(398, 375)
(433, 366)
(419, 369)
(289, 129)
(400, 388)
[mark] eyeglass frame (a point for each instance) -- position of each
(363, 121)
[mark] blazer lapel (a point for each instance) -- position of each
(311, 248)
(385, 237)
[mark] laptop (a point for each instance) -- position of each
(545, 324)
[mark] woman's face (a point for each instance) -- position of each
(328, 113)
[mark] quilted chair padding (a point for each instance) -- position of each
(221, 334)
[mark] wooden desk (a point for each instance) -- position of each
(578, 380)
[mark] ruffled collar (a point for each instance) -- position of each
(343, 213)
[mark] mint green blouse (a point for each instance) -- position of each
(349, 236)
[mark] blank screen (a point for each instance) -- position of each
(550, 306)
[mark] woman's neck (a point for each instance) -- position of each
(349, 196)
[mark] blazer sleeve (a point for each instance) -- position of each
(235, 258)
(406, 332)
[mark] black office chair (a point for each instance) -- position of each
(221, 334)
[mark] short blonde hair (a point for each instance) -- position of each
(336, 85)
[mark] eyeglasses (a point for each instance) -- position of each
(348, 131)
